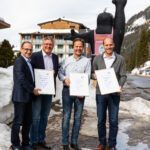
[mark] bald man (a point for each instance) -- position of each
(109, 59)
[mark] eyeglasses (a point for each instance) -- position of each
(27, 49)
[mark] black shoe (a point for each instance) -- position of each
(66, 147)
(27, 147)
(15, 147)
(44, 145)
(75, 147)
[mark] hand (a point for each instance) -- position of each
(94, 76)
(119, 2)
(120, 89)
(67, 82)
(36, 91)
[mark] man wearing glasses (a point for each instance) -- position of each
(23, 91)
(43, 59)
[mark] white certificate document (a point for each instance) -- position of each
(79, 84)
(107, 81)
(44, 80)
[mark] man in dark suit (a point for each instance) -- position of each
(23, 91)
(43, 59)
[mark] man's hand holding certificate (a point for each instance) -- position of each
(44, 80)
(107, 81)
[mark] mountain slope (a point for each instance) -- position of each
(134, 26)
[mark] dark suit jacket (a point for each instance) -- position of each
(37, 62)
(23, 82)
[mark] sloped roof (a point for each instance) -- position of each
(3, 24)
(60, 19)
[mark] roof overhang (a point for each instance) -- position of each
(3, 24)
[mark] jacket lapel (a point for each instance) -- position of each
(41, 60)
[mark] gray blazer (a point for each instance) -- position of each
(118, 65)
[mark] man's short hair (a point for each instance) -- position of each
(79, 39)
(25, 43)
(49, 38)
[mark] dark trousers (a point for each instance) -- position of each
(110, 102)
(22, 117)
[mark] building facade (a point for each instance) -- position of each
(59, 29)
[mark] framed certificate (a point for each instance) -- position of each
(44, 80)
(107, 81)
(79, 84)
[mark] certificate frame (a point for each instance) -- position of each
(79, 84)
(107, 81)
(44, 80)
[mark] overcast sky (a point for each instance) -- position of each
(26, 14)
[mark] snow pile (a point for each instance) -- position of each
(144, 70)
(147, 63)
(6, 86)
(4, 137)
(136, 107)
(135, 71)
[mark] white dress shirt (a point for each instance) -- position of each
(48, 63)
(109, 60)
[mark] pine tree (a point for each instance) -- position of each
(6, 54)
(148, 39)
(142, 52)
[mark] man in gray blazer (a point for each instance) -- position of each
(23, 91)
(109, 59)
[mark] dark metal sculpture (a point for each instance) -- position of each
(106, 24)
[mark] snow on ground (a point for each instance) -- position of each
(140, 21)
(123, 138)
(6, 86)
(4, 137)
(144, 70)
(90, 100)
(134, 114)
(136, 107)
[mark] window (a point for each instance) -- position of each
(27, 37)
(59, 37)
(37, 46)
(38, 37)
(60, 46)
(70, 46)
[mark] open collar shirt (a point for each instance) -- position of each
(72, 65)
(109, 60)
(48, 63)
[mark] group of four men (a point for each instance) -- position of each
(31, 109)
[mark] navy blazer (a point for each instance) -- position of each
(23, 82)
(37, 62)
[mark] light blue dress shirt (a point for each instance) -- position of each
(72, 65)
